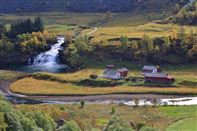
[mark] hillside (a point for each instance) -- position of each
(12, 6)
(187, 15)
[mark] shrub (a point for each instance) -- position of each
(46, 76)
(82, 103)
(113, 110)
(148, 129)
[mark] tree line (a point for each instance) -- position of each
(26, 26)
(178, 48)
(23, 40)
(186, 15)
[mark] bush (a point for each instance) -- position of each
(148, 129)
(46, 76)
(93, 76)
(98, 83)
(82, 103)
(113, 110)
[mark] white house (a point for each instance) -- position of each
(115, 74)
(150, 69)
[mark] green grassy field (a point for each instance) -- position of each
(61, 23)
(132, 25)
(187, 118)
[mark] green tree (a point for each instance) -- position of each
(113, 110)
(69, 126)
(116, 124)
(124, 43)
(81, 44)
(147, 44)
(82, 103)
(38, 25)
(6, 48)
(182, 35)
(44, 121)
(3, 30)
(134, 45)
(28, 124)
(13, 122)
(166, 42)
(3, 125)
(177, 8)
(71, 56)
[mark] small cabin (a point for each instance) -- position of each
(150, 69)
(158, 78)
(115, 74)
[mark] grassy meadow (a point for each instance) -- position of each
(132, 25)
(126, 24)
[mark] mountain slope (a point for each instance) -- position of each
(12, 6)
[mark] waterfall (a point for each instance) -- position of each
(49, 57)
(48, 61)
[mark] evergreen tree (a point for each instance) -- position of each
(3, 30)
(38, 25)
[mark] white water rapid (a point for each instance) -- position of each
(48, 61)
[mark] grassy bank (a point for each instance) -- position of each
(6, 75)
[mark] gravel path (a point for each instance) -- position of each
(99, 98)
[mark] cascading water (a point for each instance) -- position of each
(50, 57)
(48, 61)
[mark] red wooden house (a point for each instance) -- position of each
(158, 78)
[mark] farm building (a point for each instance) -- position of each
(111, 73)
(150, 69)
(158, 78)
